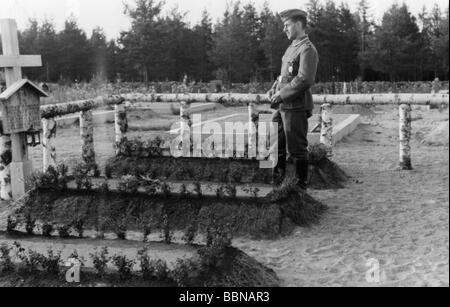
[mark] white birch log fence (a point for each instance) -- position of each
(405, 136)
(48, 147)
(5, 166)
(326, 127)
(85, 107)
(55, 110)
(404, 101)
(120, 125)
(245, 99)
(185, 126)
(252, 129)
(87, 139)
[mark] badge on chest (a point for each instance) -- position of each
(293, 68)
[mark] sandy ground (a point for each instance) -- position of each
(399, 219)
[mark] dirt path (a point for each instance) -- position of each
(398, 218)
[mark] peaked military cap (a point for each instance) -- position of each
(288, 14)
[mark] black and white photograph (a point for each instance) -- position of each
(220, 151)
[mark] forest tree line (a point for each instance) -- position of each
(244, 45)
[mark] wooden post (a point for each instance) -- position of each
(185, 126)
(405, 137)
(49, 149)
(435, 86)
(121, 124)
(20, 168)
(87, 139)
(326, 131)
(5, 165)
(253, 120)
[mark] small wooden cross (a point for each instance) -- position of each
(12, 61)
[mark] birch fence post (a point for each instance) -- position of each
(120, 125)
(185, 126)
(49, 149)
(87, 140)
(326, 131)
(405, 136)
(5, 167)
(252, 129)
(435, 86)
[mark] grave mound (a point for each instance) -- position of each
(118, 212)
(213, 266)
(324, 173)
(136, 161)
(240, 270)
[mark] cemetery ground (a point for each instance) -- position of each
(398, 218)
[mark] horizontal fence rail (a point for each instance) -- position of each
(55, 110)
(384, 99)
(244, 99)
(124, 103)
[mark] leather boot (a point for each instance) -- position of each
(279, 173)
(302, 173)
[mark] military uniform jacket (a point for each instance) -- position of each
(298, 75)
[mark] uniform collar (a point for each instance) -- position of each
(301, 41)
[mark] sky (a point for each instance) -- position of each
(108, 14)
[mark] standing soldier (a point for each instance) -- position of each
(292, 99)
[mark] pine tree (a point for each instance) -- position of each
(204, 44)
(396, 43)
(73, 52)
(274, 44)
(113, 63)
(28, 42)
(222, 52)
(141, 48)
(440, 44)
(349, 49)
(48, 48)
(99, 53)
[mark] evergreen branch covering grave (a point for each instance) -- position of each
(119, 212)
(55, 208)
(144, 158)
(217, 264)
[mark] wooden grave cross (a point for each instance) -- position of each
(12, 62)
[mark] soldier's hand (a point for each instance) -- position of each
(276, 101)
(274, 106)
(270, 93)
